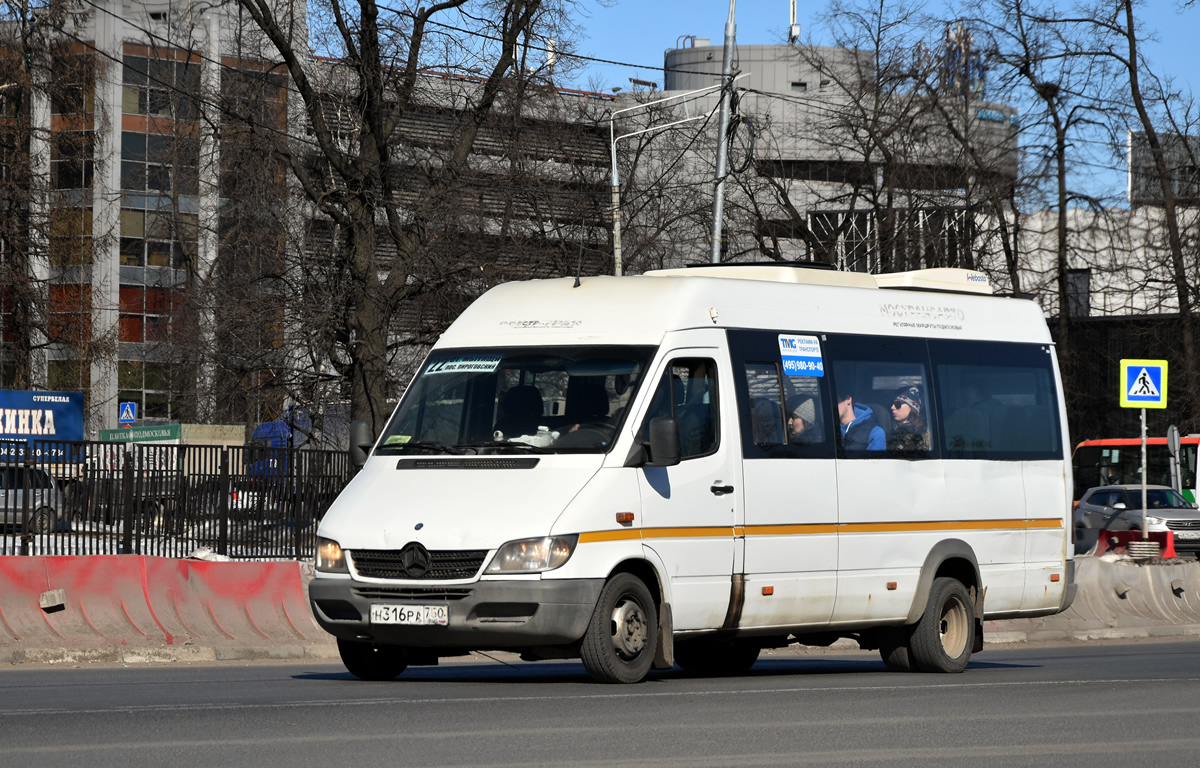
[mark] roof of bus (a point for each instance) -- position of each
(641, 309)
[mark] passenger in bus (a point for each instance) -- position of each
(802, 421)
(908, 421)
(860, 428)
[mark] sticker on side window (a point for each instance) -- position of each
(801, 355)
(465, 364)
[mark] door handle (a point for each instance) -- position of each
(721, 490)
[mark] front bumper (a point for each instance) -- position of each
(484, 615)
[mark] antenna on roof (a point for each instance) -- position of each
(793, 27)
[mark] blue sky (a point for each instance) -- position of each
(638, 31)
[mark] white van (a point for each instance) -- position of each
(692, 465)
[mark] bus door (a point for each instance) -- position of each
(690, 511)
(787, 434)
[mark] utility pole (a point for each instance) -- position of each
(722, 127)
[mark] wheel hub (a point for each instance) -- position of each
(953, 628)
(628, 628)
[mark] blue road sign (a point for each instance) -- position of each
(127, 413)
(1143, 383)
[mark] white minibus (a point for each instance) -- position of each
(691, 465)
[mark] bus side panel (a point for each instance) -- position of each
(992, 496)
(885, 506)
(893, 512)
(1047, 547)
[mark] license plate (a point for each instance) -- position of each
(422, 615)
(1187, 534)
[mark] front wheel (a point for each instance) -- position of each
(372, 662)
(43, 520)
(618, 646)
(942, 640)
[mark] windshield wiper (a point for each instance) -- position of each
(505, 444)
(427, 445)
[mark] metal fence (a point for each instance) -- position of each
(93, 498)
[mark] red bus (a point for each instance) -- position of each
(1116, 461)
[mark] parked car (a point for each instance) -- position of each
(1119, 508)
(24, 488)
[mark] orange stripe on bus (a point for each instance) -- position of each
(810, 529)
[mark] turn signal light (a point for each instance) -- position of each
(891, 585)
(768, 590)
(1054, 577)
(625, 518)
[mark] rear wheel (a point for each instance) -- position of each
(709, 657)
(372, 662)
(618, 646)
(942, 639)
(893, 649)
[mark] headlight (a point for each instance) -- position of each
(1152, 520)
(533, 555)
(330, 557)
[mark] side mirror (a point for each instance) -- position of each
(664, 442)
(1119, 505)
(361, 441)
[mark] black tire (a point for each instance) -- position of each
(893, 649)
(619, 644)
(712, 657)
(372, 662)
(43, 520)
(943, 638)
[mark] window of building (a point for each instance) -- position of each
(1079, 292)
(70, 314)
(148, 384)
(71, 162)
(146, 313)
(799, 86)
(161, 87)
(68, 376)
(70, 237)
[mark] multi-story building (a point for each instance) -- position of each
(138, 149)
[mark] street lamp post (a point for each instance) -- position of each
(612, 144)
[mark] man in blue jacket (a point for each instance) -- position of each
(860, 429)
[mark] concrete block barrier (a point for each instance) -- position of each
(138, 602)
(1117, 598)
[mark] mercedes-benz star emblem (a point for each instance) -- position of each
(415, 561)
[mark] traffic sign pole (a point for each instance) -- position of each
(1143, 385)
(1145, 525)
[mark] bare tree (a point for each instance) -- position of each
(384, 216)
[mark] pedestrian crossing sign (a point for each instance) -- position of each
(127, 413)
(1143, 383)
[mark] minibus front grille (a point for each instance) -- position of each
(412, 593)
(443, 564)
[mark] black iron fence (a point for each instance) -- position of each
(93, 498)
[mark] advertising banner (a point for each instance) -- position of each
(26, 417)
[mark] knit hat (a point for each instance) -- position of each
(802, 408)
(910, 396)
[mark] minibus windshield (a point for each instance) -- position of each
(517, 400)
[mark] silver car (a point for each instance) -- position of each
(1119, 508)
(25, 489)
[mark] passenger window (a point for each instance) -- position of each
(783, 399)
(688, 391)
(998, 399)
(881, 388)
